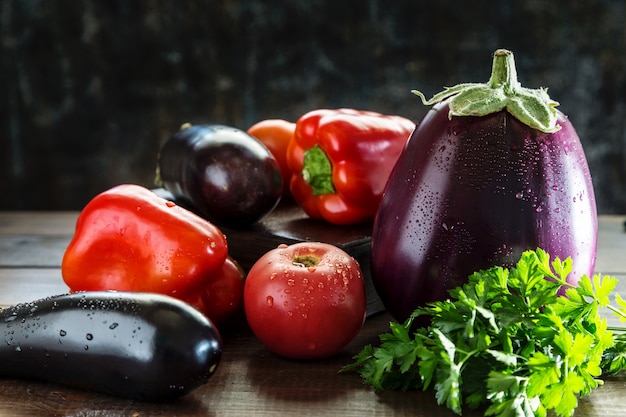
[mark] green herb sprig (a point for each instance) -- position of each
(506, 342)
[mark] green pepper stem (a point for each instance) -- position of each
(317, 171)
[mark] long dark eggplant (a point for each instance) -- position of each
(225, 174)
(481, 181)
(133, 345)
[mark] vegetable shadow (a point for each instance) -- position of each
(299, 380)
(40, 399)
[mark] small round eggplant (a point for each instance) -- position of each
(227, 175)
(133, 345)
(475, 190)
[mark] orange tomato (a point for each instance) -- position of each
(276, 134)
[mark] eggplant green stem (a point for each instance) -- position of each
(503, 91)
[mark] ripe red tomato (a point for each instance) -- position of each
(222, 297)
(306, 300)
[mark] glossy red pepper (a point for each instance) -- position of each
(341, 160)
(129, 239)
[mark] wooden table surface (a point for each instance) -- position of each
(250, 381)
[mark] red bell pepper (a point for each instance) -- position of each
(130, 239)
(341, 160)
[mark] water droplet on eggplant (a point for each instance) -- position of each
(10, 318)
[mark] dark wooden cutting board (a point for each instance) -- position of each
(289, 224)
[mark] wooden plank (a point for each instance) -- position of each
(611, 245)
(19, 285)
(29, 251)
(37, 222)
(250, 380)
(23, 245)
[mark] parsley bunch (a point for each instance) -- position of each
(506, 341)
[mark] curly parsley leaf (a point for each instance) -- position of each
(506, 342)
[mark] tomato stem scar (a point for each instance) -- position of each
(305, 261)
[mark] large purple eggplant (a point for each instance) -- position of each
(492, 170)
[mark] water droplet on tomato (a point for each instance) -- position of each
(273, 275)
(269, 301)
(291, 282)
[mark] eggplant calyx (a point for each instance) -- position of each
(503, 91)
(317, 171)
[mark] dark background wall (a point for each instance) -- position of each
(90, 89)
